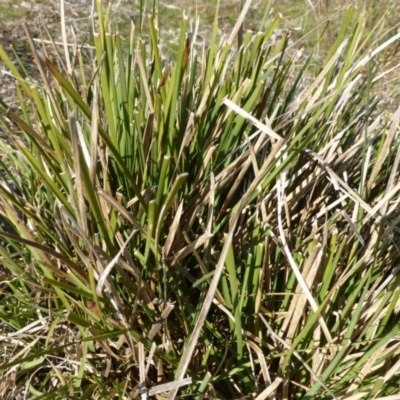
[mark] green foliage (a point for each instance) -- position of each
(226, 217)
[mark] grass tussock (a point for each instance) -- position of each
(223, 225)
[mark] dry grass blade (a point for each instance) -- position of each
(280, 194)
(40, 61)
(269, 391)
(105, 275)
(173, 230)
(64, 37)
(78, 175)
(189, 349)
(239, 22)
(259, 125)
(191, 247)
(139, 60)
(279, 340)
(297, 306)
(171, 386)
(386, 148)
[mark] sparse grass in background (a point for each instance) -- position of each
(222, 225)
(315, 24)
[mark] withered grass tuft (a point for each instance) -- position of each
(222, 225)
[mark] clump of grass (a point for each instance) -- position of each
(222, 225)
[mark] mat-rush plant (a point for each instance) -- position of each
(223, 225)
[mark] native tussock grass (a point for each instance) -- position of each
(223, 225)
